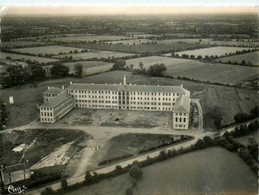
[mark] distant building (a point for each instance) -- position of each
(181, 113)
(57, 107)
(119, 96)
(15, 173)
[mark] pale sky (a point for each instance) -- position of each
(131, 2)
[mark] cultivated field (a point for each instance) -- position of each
(193, 173)
(131, 42)
(26, 57)
(148, 61)
(144, 48)
(86, 38)
(97, 55)
(90, 67)
(53, 50)
(252, 57)
(221, 73)
(244, 139)
(212, 51)
(18, 44)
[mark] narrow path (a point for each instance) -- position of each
(197, 102)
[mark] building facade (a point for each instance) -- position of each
(126, 96)
(116, 96)
(181, 113)
(56, 107)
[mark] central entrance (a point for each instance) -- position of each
(123, 100)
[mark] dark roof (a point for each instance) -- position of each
(57, 99)
(53, 90)
(115, 87)
(182, 104)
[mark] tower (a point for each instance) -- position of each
(124, 80)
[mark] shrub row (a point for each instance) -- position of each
(105, 162)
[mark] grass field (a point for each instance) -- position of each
(85, 38)
(230, 100)
(54, 50)
(209, 171)
(97, 55)
(148, 61)
(35, 149)
(26, 57)
(90, 67)
(244, 139)
(131, 42)
(194, 69)
(144, 48)
(252, 57)
(215, 51)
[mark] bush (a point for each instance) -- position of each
(64, 184)
(241, 117)
(135, 172)
(129, 191)
(47, 191)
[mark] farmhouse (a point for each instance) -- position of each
(118, 96)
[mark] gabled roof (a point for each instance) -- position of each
(115, 87)
(57, 99)
(53, 90)
(182, 104)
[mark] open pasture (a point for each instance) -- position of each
(208, 171)
(252, 57)
(90, 67)
(89, 38)
(97, 55)
(26, 57)
(212, 51)
(148, 61)
(220, 73)
(53, 50)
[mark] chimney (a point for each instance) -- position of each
(48, 87)
(181, 85)
(120, 83)
(130, 83)
(62, 87)
(71, 82)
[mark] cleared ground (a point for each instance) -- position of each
(54, 50)
(90, 67)
(252, 57)
(86, 38)
(215, 51)
(193, 173)
(26, 57)
(244, 139)
(56, 146)
(97, 55)
(119, 118)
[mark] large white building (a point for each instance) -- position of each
(118, 96)
(181, 113)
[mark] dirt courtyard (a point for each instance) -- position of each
(118, 118)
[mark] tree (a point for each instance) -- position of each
(141, 65)
(129, 191)
(78, 68)
(135, 172)
(213, 117)
(131, 66)
(119, 65)
(88, 177)
(37, 72)
(47, 191)
(255, 111)
(59, 70)
(157, 70)
(64, 184)
(240, 117)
